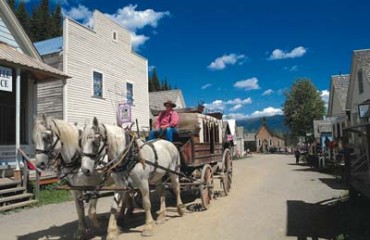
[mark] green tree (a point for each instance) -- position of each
(303, 104)
(156, 85)
(11, 4)
(23, 17)
(57, 20)
(165, 86)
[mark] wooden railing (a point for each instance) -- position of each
(25, 170)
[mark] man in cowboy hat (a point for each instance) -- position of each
(167, 122)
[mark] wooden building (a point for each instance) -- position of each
(105, 74)
(22, 71)
(267, 141)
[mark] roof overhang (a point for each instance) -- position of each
(15, 59)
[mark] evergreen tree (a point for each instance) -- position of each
(11, 4)
(155, 81)
(46, 23)
(36, 25)
(23, 17)
(57, 18)
(165, 85)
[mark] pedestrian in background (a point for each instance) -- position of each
(297, 154)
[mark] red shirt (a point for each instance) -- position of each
(167, 119)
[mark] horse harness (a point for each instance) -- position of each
(57, 157)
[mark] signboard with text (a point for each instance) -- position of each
(6, 79)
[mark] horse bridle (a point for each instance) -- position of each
(57, 156)
(97, 156)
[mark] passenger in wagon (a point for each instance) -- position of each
(167, 123)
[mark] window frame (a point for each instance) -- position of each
(132, 95)
(114, 35)
(102, 84)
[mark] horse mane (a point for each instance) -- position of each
(68, 133)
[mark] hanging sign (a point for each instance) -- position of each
(6, 79)
(124, 113)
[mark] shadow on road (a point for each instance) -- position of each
(334, 183)
(330, 219)
(127, 224)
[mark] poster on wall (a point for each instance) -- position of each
(6, 79)
(124, 113)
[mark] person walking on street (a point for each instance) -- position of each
(297, 154)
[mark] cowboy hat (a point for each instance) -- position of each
(169, 103)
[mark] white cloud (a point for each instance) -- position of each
(236, 107)
(206, 86)
(248, 84)
(128, 17)
(268, 92)
(269, 111)
(325, 97)
(133, 19)
(79, 13)
(235, 104)
(281, 54)
(292, 68)
(227, 59)
(266, 112)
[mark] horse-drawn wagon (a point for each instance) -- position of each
(198, 156)
(205, 155)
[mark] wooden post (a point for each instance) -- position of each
(17, 116)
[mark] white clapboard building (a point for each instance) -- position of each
(106, 74)
(21, 70)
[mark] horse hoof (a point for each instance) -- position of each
(147, 233)
(180, 210)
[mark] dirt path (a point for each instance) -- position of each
(271, 199)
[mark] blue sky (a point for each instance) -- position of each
(239, 56)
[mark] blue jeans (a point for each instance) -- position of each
(169, 134)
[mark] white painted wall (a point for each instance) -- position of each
(87, 50)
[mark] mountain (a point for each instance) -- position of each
(275, 123)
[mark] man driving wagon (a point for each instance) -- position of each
(166, 123)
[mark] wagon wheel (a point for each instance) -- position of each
(207, 186)
(227, 170)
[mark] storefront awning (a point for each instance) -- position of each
(39, 70)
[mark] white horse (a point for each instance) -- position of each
(57, 143)
(98, 139)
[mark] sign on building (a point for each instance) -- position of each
(6, 79)
(124, 113)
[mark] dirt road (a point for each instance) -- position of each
(271, 198)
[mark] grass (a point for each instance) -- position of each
(49, 194)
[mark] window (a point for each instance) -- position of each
(259, 142)
(360, 82)
(98, 84)
(115, 36)
(270, 142)
(130, 92)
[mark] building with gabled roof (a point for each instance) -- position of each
(108, 79)
(156, 99)
(266, 140)
(338, 95)
(21, 72)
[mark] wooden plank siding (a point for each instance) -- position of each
(50, 93)
(6, 36)
(95, 50)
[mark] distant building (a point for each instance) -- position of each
(106, 74)
(337, 104)
(156, 100)
(250, 142)
(239, 141)
(266, 140)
